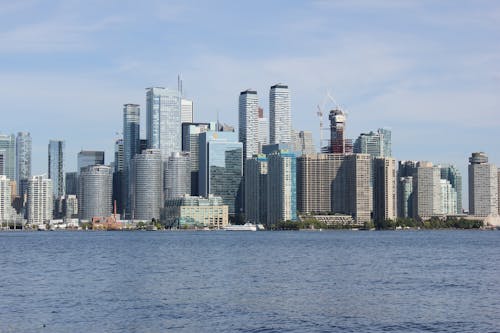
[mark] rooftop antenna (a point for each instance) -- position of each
(217, 126)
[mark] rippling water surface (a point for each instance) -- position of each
(425, 281)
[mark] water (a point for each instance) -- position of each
(425, 281)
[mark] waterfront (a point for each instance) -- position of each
(345, 281)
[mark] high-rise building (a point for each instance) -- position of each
(427, 194)
(483, 186)
(280, 114)
(8, 150)
(70, 206)
(186, 111)
(256, 189)
(89, 157)
(119, 193)
(191, 143)
(177, 175)
(23, 162)
(7, 212)
(448, 198)
(221, 168)
(248, 123)
(2, 163)
(263, 126)
(119, 164)
(405, 197)
(453, 176)
(337, 127)
(163, 123)
(189, 211)
(384, 189)
(71, 183)
(40, 200)
(95, 192)
(377, 144)
(281, 187)
(131, 146)
(56, 167)
(147, 185)
(302, 143)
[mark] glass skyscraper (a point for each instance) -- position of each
(221, 168)
(280, 114)
(8, 150)
(163, 123)
(56, 167)
(90, 157)
(23, 161)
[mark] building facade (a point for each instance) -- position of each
(376, 144)
(281, 187)
(248, 122)
(177, 175)
(23, 162)
(280, 115)
(189, 211)
(186, 111)
(483, 186)
(95, 192)
(256, 189)
(40, 200)
(8, 151)
(384, 189)
(427, 195)
(56, 167)
(89, 157)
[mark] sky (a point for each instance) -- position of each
(428, 70)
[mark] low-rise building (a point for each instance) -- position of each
(189, 211)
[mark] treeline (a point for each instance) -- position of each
(309, 223)
(433, 223)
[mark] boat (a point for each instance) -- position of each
(245, 227)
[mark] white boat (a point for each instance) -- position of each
(244, 227)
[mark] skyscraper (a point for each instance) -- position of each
(281, 187)
(256, 189)
(177, 175)
(163, 123)
(427, 193)
(186, 111)
(8, 150)
(71, 183)
(406, 171)
(89, 157)
(377, 144)
(302, 143)
(56, 167)
(280, 114)
(131, 147)
(147, 185)
(95, 192)
(221, 168)
(23, 161)
(384, 189)
(7, 213)
(248, 122)
(483, 186)
(40, 200)
(453, 176)
(337, 127)
(119, 192)
(263, 125)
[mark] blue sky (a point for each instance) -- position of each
(429, 70)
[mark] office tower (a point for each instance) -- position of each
(89, 157)
(23, 161)
(131, 147)
(191, 143)
(384, 189)
(177, 175)
(119, 193)
(256, 189)
(281, 187)
(377, 144)
(40, 200)
(448, 198)
(7, 212)
(221, 168)
(147, 185)
(248, 123)
(337, 128)
(95, 192)
(163, 123)
(186, 111)
(302, 143)
(71, 183)
(263, 126)
(336, 183)
(8, 150)
(426, 191)
(70, 206)
(280, 114)
(405, 197)
(483, 186)
(453, 176)
(56, 167)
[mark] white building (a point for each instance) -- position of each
(248, 122)
(281, 187)
(448, 198)
(6, 210)
(483, 186)
(427, 191)
(280, 115)
(40, 200)
(384, 189)
(263, 125)
(186, 111)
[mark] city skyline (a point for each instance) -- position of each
(389, 64)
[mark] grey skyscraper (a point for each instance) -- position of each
(280, 115)
(95, 192)
(146, 185)
(89, 157)
(118, 178)
(452, 174)
(384, 189)
(131, 147)
(56, 166)
(263, 125)
(377, 144)
(71, 183)
(191, 143)
(177, 175)
(406, 171)
(427, 191)
(221, 168)
(483, 186)
(23, 161)
(248, 123)
(40, 200)
(256, 189)
(8, 150)
(163, 123)
(186, 111)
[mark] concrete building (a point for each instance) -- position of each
(221, 168)
(188, 211)
(256, 189)
(146, 185)
(7, 212)
(483, 186)
(186, 111)
(163, 123)
(56, 167)
(376, 144)
(280, 114)
(384, 189)
(8, 151)
(263, 126)
(95, 192)
(448, 198)
(23, 162)
(177, 175)
(248, 123)
(427, 191)
(40, 200)
(281, 187)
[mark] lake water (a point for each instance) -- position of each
(343, 281)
